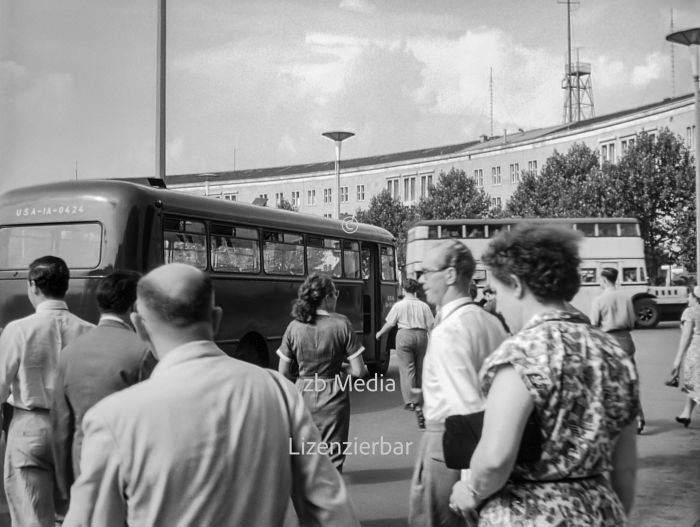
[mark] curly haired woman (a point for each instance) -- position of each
(319, 339)
(580, 384)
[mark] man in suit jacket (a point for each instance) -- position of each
(108, 358)
(207, 440)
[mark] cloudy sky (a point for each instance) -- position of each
(254, 83)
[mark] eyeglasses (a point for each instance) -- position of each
(431, 271)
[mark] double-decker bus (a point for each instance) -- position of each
(606, 242)
(256, 256)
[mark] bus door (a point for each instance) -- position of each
(370, 290)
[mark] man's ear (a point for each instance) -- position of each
(139, 326)
(217, 315)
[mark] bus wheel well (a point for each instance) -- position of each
(253, 349)
(640, 296)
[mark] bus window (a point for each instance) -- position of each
(351, 259)
(588, 275)
(323, 255)
(642, 275)
(451, 231)
(366, 263)
(587, 229)
(495, 229)
(283, 253)
(629, 274)
(476, 231)
(388, 264)
(433, 231)
(629, 229)
(235, 249)
(185, 241)
(607, 229)
(77, 243)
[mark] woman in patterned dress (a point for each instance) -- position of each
(580, 384)
(320, 340)
(689, 356)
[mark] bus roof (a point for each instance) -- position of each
(510, 221)
(199, 206)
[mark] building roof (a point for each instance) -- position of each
(491, 143)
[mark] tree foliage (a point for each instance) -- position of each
(391, 214)
(653, 182)
(454, 196)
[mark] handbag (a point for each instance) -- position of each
(673, 378)
(462, 434)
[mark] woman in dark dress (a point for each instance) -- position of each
(320, 340)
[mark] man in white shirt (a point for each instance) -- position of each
(463, 336)
(29, 353)
(207, 440)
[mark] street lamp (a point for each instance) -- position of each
(691, 38)
(338, 137)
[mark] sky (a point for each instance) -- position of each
(254, 83)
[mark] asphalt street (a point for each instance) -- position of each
(387, 438)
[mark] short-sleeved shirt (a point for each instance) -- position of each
(410, 313)
(691, 315)
(321, 347)
(613, 310)
(585, 391)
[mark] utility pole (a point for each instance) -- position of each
(160, 94)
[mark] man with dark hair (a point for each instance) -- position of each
(29, 354)
(463, 336)
(613, 312)
(207, 440)
(106, 359)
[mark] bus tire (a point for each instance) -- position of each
(647, 311)
(253, 349)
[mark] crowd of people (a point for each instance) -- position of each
(144, 420)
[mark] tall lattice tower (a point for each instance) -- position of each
(578, 100)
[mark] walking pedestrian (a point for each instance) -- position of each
(29, 354)
(413, 318)
(319, 339)
(687, 360)
(463, 336)
(207, 440)
(613, 312)
(578, 382)
(106, 359)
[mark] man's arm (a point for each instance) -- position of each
(595, 313)
(10, 353)
(319, 494)
(63, 423)
(97, 496)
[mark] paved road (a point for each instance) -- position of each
(668, 490)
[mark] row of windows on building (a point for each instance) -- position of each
(295, 196)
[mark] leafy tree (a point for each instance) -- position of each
(454, 196)
(391, 214)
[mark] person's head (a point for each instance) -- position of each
(447, 272)
(317, 292)
(47, 279)
(533, 264)
(411, 286)
(116, 293)
(608, 276)
(175, 305)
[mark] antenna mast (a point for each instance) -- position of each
(491, 98)
(673, 62)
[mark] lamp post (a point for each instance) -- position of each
(691, 38)
(338, 137)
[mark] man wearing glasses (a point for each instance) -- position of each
(463, 336)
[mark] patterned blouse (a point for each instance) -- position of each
(585, 390)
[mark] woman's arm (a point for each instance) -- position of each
(624, 474)
(508, 407)
(357, 367)
(686, 336)
(284, 367)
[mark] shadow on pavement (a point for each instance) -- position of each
(387, 522)
(660, 426)
(363, 477)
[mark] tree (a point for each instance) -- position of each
(455, 196)
(391, 214)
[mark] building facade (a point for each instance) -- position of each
(497, 163)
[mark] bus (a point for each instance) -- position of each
(256, 256)
(606, 242)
